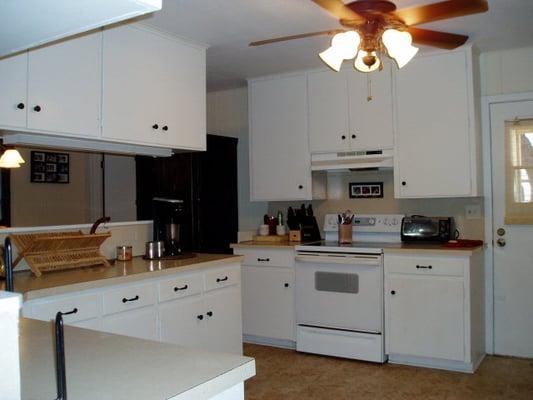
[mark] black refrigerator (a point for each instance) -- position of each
(207, 182)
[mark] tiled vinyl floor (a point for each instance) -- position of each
(286, 374)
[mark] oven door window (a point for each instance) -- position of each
(336, 282)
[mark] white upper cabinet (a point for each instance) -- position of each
(64, 87)
(371, 117)
(350, 111)
(329, 124)
(13, 89)
(154, 89)
(436, 137)
(280, 165)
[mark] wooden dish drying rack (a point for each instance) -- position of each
(56, 251)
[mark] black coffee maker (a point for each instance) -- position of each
(168, 217)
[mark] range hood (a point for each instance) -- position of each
(352, 160)
(25, 24)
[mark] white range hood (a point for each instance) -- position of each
(352, 160)
(25, 24)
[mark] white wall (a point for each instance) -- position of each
(506, 71)
(227, 115)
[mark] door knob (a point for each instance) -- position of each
(501, 242)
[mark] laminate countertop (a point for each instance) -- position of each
(105, 366)
(388, 248)
(53, 283)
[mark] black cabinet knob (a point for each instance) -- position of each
(286, 285)
(20, 106)
(155, 126)
(37, 108)
(404, 183)
(165, 128)
(209, 313)
(300, 187)
(343, 137)
(200, 317)
(354, 136)
(393, 292)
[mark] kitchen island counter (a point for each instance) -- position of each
(73, 280)
(106, 366)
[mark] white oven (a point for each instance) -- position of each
(339, 303)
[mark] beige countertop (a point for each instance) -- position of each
(53, 283)
(388, 248)
(105, 366)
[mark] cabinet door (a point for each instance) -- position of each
(183, 321)
(13, 84)
(279, 151)
(370, 99)
(328, 112)
(268, 302)
(433, 148)
(223, 328)
(64, 82)
(425, 316)
(140, 323)
(154, 90)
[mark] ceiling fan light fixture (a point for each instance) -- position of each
(346, 43)
(363, 61)
(399, 46)
(332, 58)
(11, 159)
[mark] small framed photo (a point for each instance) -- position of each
(47, 167)
(366, 190)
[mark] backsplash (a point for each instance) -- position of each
(338, 200)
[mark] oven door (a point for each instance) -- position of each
(340, 291)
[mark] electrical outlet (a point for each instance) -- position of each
(473, 211)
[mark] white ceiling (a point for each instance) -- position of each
(227, 26)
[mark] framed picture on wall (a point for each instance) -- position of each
(366, 190)
(47, 167)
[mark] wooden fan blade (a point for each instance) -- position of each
(339, 10)
(443, 10)
(300, 36)
(442, 40)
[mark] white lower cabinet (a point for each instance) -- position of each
(186, 309)
(268, 295)
(434, 310)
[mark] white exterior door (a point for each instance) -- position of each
(513, 256)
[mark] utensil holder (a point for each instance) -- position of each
(345, 233)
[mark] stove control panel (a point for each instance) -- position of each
(367, 223)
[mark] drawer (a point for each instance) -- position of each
(181, 286)
(128, 298)
(274, 257)
(80, 308)
(428, 265)
(222, 277)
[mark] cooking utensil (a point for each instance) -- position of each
(155, 250)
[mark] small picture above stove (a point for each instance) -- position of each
(366, 190)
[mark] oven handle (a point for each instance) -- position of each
(352, 260)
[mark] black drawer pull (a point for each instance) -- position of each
(222, 279)
(393, 292)
(263, 259)
(181, 288)
(200, 317)
(424, 267)
(73, 311)
(165, 128)
(286, 285)
(125, 300)
(37, 108)
(209, 313)
(20, 106)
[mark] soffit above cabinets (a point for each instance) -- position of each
(26, 24)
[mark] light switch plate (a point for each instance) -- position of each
(473, 211)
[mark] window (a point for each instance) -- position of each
(519, 172)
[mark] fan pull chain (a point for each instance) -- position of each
(369, 97)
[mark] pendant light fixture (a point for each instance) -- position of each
(11, 158)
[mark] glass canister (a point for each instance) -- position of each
(124, 253)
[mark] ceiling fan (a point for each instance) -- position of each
(374, 27)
